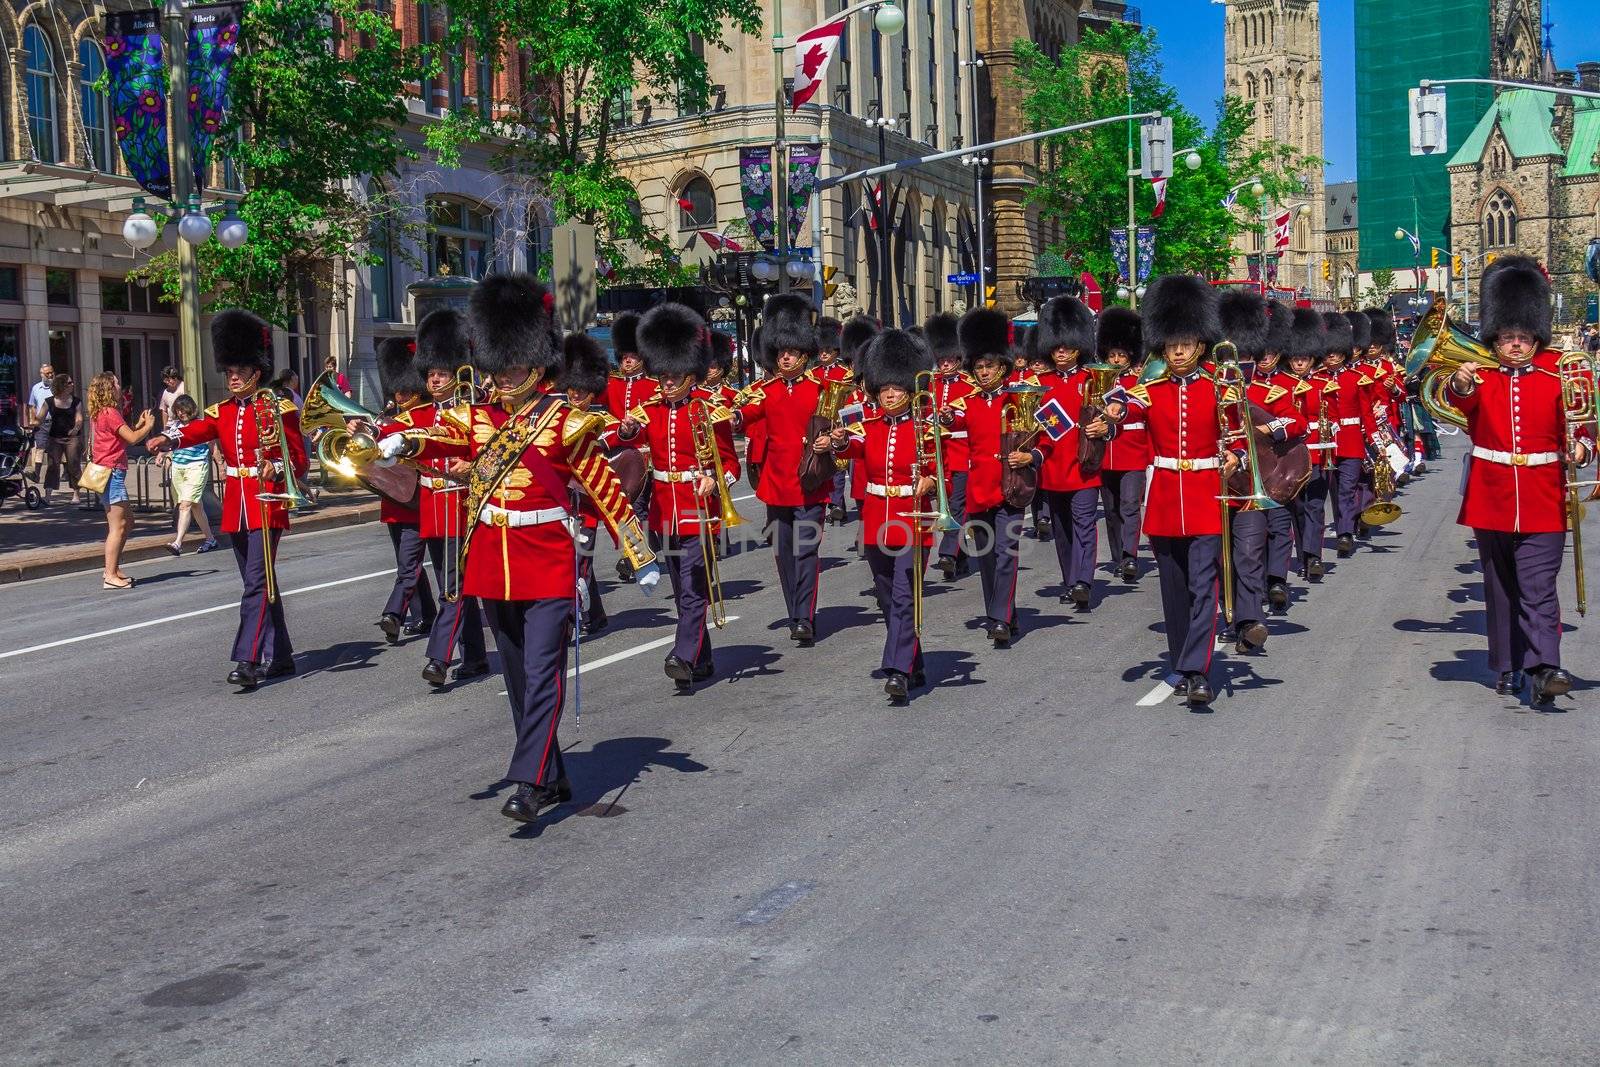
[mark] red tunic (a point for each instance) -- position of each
(785, 406)
(980, 415)
(886, 448)
(946, 389)
(675, 467)
(623, 394)
(1130, 449)
(1350, 407)
(1516, 480)
(1061, 472)
(232, 425)
(1186, 442)
(1308, 393)
(389, 511)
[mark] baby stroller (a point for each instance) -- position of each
(13, 457)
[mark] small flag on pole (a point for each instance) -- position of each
(1054, 420)
(1281, 229)
(1231, 199)
(1159, 186)
(812, 52)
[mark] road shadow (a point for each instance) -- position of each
(167, 576)
(1237, 674)
(1470, 623)
(1153, 670)
(1470, 665)
(340, 658)
(642, 618)
(733, 589)
(612, 765)
(839, 618)
(950, 668)
(738, 663)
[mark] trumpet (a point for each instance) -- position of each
(1578, 405)
(269, 434)
(703, 430)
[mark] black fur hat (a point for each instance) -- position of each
(1280, 321)
(1064, 322)
(1021, 342)
(943, 334)
(1360, 331)
(584, 364)
(788, 323)
(443, 341)
(828, 329)
(1337, 336)
(397, 367)
(1382, 327)
(722, 351)
(241, 338)
(1307, 339)
(1516, 296)
(674, 341)
(854, 335)
(1120, 328)
(625, 334)
(894, 357)
(1243, 314)
(511, 324)
(1180, 307)
(985, 332)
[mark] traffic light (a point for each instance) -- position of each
(1455, 265)
(1490, 257)
(1327, 271)
(988, 296)
(1435, 260)
(828, 284)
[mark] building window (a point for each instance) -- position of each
(843, 58)
(10, 287)
(11, 392)
(58, 288)
(486, 86)
(381, 245)
(427, 41)
(955, 102)
(461, 238)
(41, 72)
(538, 242)
(697, 206)
(697, 48)
(1499, 221)
(102, 150)
(305, 342)
(119, 294)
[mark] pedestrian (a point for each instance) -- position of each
(112, 436)
(191, 472)
(331, 366)
(287, 385)
(62, 419)
(37, 396)
(172, 379)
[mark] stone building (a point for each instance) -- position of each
(1527, 180)
(1343, 241)
(1273, 60)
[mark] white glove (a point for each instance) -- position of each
(648, 578)
(583, 595)
(391, 447)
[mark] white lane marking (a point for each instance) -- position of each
(617, 657)
(747, 496)
(1159, 695)
(185, 615)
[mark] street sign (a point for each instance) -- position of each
(572, 272)
(964, 278)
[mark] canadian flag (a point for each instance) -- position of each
(1159, 187)
(718, 242)
(812, 51)
(1280, 230)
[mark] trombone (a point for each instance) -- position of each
(1577, 371)
(703, 431)
(925, 424)
(269, 433)
(1233, 402)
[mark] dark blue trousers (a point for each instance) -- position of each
(1249, 565)
(1347, 496)
(796, 541)
(1308, 513)
(840, 478)
(892, 571)
(684, 561)
(459, 622)
(532, 636)
(1188, 570)
(1122, 498)
(1074, 522)
(263, 636)
(996, 534)
(1280, 542)
(411, 587)
(950, 543)
(1519, 595)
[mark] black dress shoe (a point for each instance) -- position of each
(804, 632)
(678, 669)
(897, 685)
(1346, 546)
(244, 675)
(475, 669)
(1079, 593)
(417, 629)
(1509, 683)
(1199, 690)
(1549, 683)
(1252, 636)
(1000, 634)
(947, 567)
(279, 668)
(704, 671)
(391, 625)
(1363, 531)
(1278, 594)
(836, 514)
(595, 626)
(434, 672)
(552, 793)
(524, 804)
(1129, 570)
(1314, 569)
(1041, 530)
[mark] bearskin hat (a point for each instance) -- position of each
(722, 351)
(1243, 314)
(1516, 296)
(828, 329)
(1382, 327)
(443, 341)
(1360, 331)
(673, 341)
(625, 334)
(943, 334)
(1021, 342)
(1337, 335)
(397, 367)
(853, 337)
(241, 338)
(511, 324)
(788, 324)
(1120, 328)
(1064, 322)
(585, 367)
(985, 332)
(1280, 321)
(1307, 339)
(895, 357)
(1180, 307)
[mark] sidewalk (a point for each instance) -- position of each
(63, 538)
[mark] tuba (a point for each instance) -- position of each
(328, 413)
(1438, 349)
(816, 468)
(1578, 404)
(1019, 429)
(1092, 450)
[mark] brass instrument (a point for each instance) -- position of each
(1092, 450)
(703, 431)
(269, 434)
(328, 413)
(1438, 349)
(1578, 405)
(1233, 402)
(818, 469)
(1327, 432)
(923, 426)
(1383, 510)
(1019, 429)
(943, 521)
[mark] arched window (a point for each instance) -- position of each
(938, 265)
(1266, 83)
(1250, 88)
(5, 125)
(96, 108)
(1499, 221)
(42, 113)
(460, 238)
(697, 205)
(380, 244)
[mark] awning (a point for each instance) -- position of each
(50, 183)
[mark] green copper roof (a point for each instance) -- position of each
(1526, 119)
(1585, 138)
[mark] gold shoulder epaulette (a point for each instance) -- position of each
(1230, 394)
(286, 407)
(1141, 392)
(1365, 380)
(1275, 394)
(1331, 385)
(640, 415)
(576, 425)
(214, 411)
(404, 418)
(958, 404)
(1301, 388)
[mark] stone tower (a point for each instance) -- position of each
(1273, 60)
(1517, 40)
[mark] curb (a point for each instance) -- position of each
(81, 557)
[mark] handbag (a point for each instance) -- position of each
(95, 478)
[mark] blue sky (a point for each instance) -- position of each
(1190, 32)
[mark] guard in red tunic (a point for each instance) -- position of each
(401, 387)
(720, 369)
(681, 425)
(1515, 496)
(1354, 426)
(948, 384)
(785, 404)
(1314, 397)
(525, 446)
(259, 437)
(829, 367)
(1120, 343)
(1183, 516)
(898, 458)
(631, 384)
(583, 384)
(1272, 370)
(853, 340)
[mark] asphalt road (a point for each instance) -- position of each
(1361, 855)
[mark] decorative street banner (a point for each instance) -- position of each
(803, 161)
(213, 42)
(1147, 252)
(1119, 252)
(755, 185)
(137, 87)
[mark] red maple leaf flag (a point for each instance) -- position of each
(1281, 229)
(1160, 187)
(812, 51)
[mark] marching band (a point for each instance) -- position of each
(1213, 426)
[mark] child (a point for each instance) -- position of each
(191, 471)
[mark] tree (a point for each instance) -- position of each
(583, 63)
(1083, 182)
(307, 116)
(1379, 289)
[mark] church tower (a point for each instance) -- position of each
(1273, 60)
(1516, 41)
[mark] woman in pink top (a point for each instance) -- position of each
(112, 436)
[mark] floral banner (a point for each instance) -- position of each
(213, 42)
(1119, 252)
(137, 86)
(1147, 252)
(755, 186)
(803, 162)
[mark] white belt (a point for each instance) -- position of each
(1203, 463)
(436, 484)
(956, 435)
(1132, 426)
(1516, 459)
(676, 476)
(493, 516)
(1350, 422)
(1325, 444)
(874, 489)
(244, 472)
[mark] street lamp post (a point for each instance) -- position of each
(974, 63)
(1403, 234)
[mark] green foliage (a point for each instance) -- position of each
(1083, 179)
(1379, 289)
